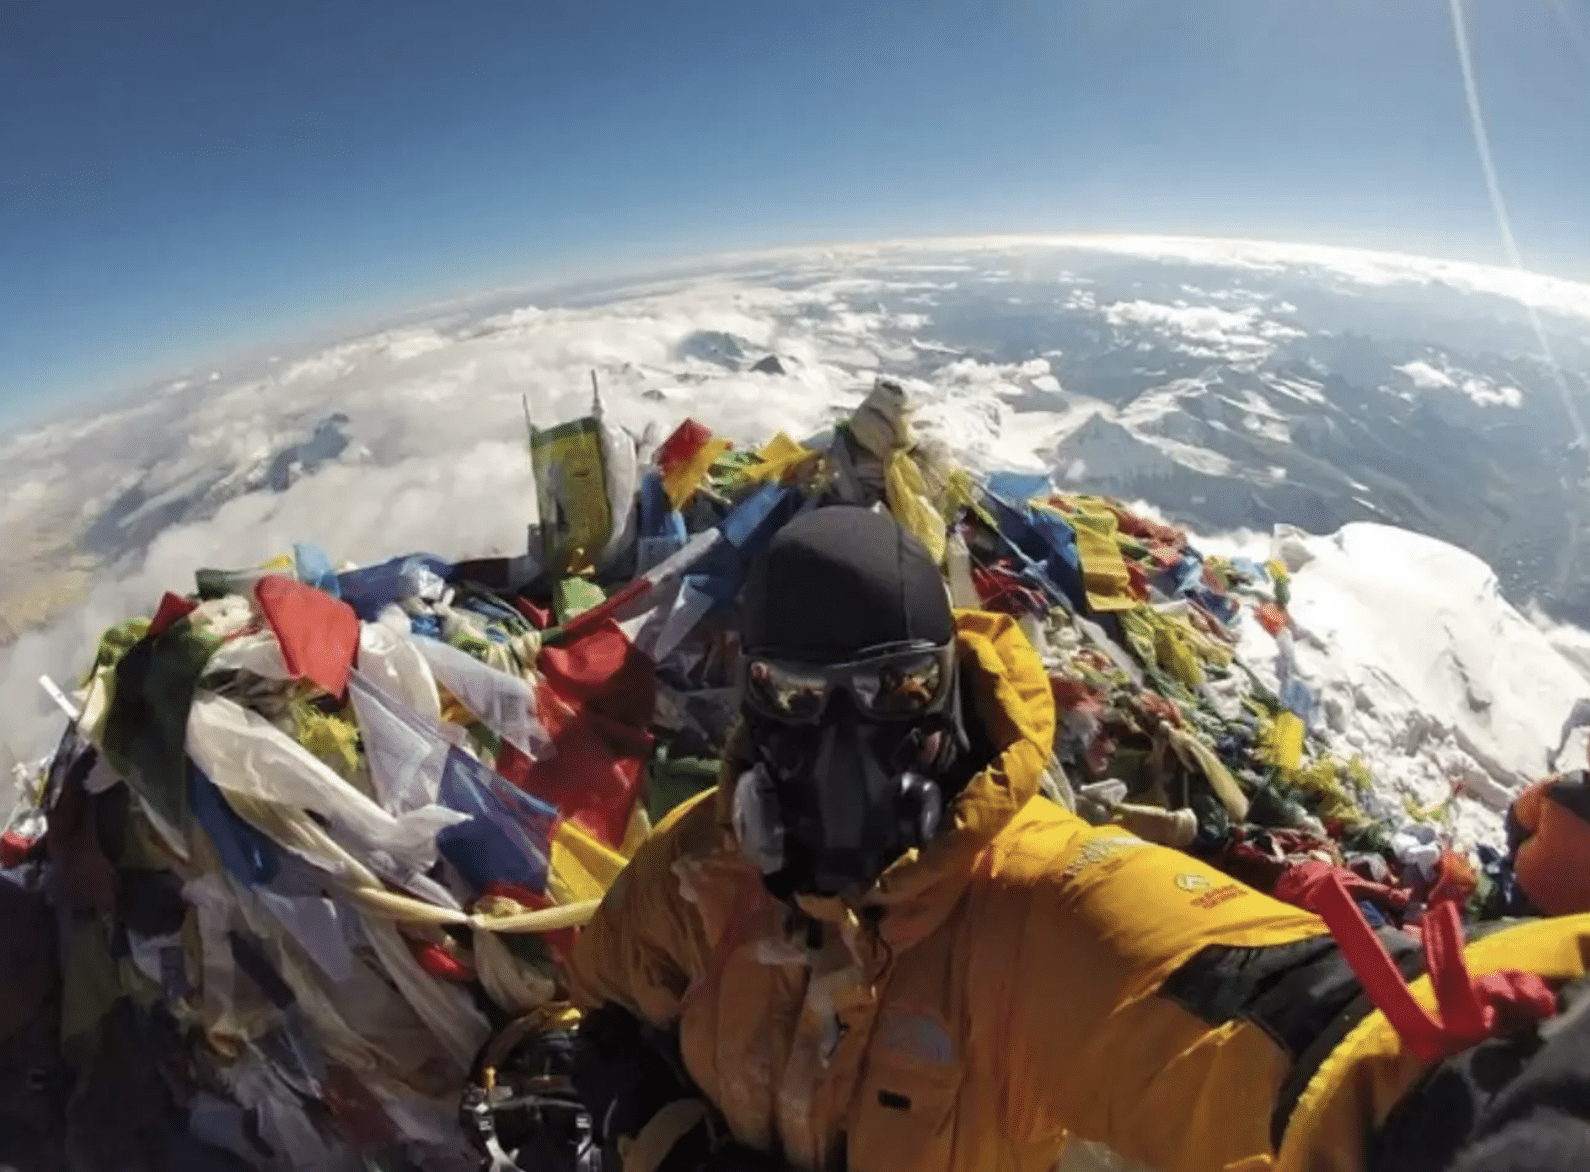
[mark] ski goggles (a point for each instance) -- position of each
(891, 683)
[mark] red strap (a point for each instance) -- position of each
(1468, 1010)
(1297, 882)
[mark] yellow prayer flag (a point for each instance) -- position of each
(682, 481)
(1287, 750)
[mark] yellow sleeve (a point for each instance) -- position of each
(646, 942)
(1095, 1048)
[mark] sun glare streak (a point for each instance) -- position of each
(1482, 146)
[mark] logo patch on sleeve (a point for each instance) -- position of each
(1225, 893)
(1099, 850)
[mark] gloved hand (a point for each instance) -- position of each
(1539, 1121)
(1518, 1103)
(626, 1072)
(649, 1115)
(1548, 832)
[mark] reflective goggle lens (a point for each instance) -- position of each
(785, 692)
(906, 687)
(894, 688)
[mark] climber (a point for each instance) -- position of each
(876, 945)
(1548, 839)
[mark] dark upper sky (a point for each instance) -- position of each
(179, 178)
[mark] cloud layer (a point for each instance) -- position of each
(100, 515)
(439, 462)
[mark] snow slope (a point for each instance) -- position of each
(1421, 667)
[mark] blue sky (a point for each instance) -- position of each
(184, 178)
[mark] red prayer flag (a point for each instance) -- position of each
(685, 442)
(1272, 618)
(1138, 580)
(595, 701)
(540, 617)
(318, 634)
(1075, 695)
(1455, 881)
(438, 961)
(172, 607)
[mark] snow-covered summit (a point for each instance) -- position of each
(1422, 668)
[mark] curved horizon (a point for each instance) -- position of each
(1552, 294)
(181, 188)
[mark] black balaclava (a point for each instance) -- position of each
(827, 807)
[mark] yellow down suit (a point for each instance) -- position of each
(1024, 978)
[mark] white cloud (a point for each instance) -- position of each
(1234, 335)
(436, 411)
(23, 498)
(1357, 266)
(1483, 391)
(441, 462)
(1424, 376)
(1569, 641)
(1490, 394)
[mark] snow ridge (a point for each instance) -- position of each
(1420, 665)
